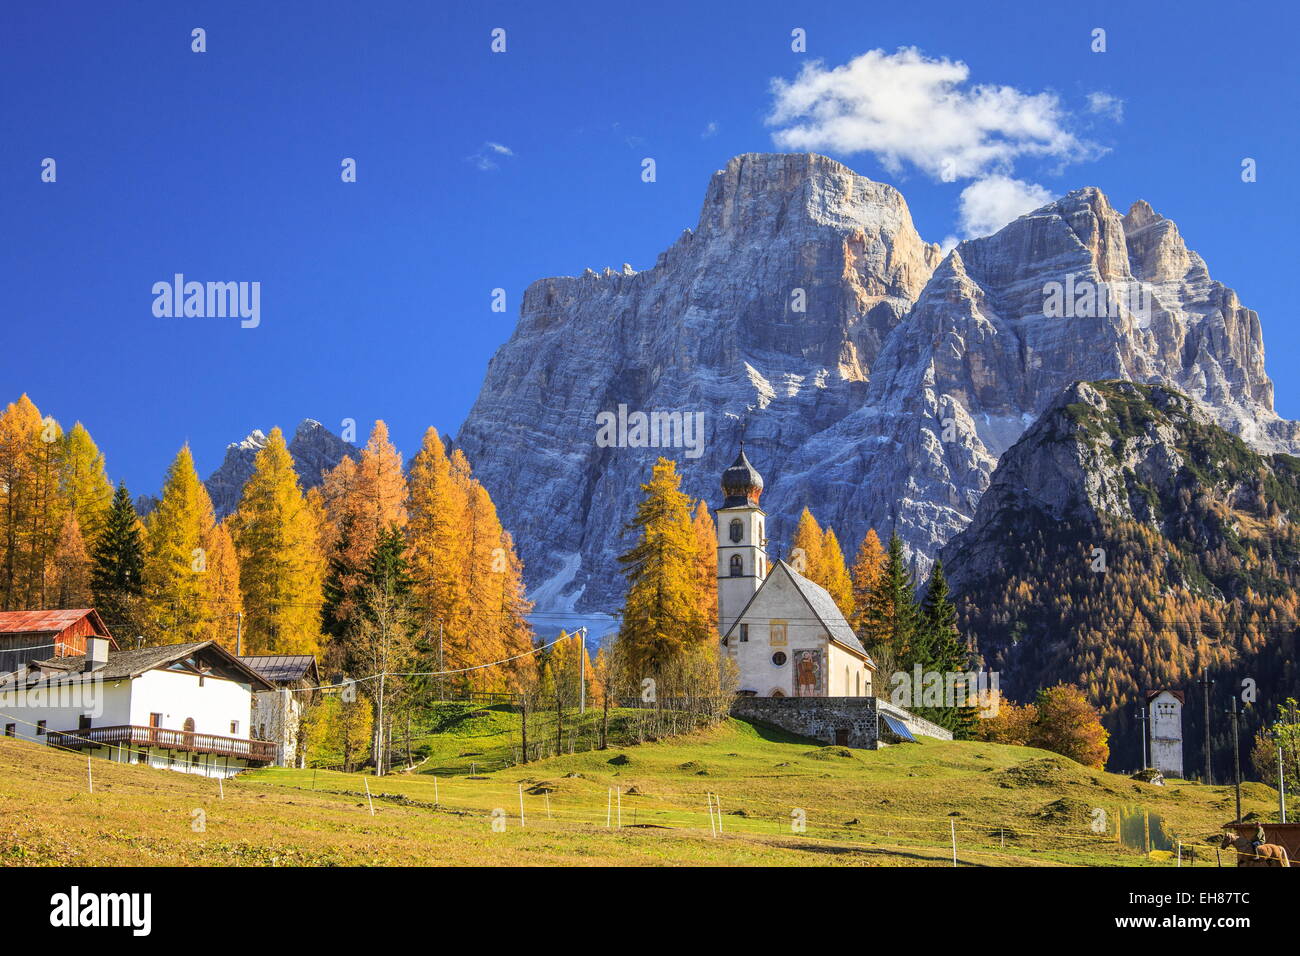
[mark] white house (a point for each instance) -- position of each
(785, 633)
(182, 707)
(1165, 711)
(278, 714)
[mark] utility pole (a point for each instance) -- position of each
(1142, 722)
(441, 678)
(1281, 778)
(239, 633)
(582, 670)
(523, 728)
(1236, 753)
(379, 731)
(1206, 683)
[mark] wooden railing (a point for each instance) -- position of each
(257, 751)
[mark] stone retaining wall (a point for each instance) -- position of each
(848, 721)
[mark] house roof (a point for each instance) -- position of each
(50, 622)
(122, 665)
(823, 607)
(283, 668)
(1152, 694)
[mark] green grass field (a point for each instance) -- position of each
(898, 806)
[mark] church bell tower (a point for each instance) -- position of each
(742, 540)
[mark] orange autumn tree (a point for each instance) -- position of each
(835, 575)
(436, 514)
(362, 499)
(1010, 724)
(706, 541)
(71, 567)
(806, 549)
(868, 571)
(816, 554)
(467, 579)
(31, 506)
(1067, 724)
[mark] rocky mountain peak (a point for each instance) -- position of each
(880, 382)
(314, 449)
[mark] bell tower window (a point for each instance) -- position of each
(737, 566)
(737, 531)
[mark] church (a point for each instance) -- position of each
(785, 633)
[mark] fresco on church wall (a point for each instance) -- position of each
(809, 673)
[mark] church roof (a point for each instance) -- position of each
(822, 605)
(741, 483)
(827, 611)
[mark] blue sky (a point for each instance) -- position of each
(376, 295)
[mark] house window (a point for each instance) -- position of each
(83, 722)
(737, 531)
(155, 720)
(234, 726)
(188, 726)
(779, 632)
(779, 659)
(737, 566)
(9, 730)
(40, 728)
(744, 633)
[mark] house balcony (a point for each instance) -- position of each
(254, 751)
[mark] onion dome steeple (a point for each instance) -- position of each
(741, 483)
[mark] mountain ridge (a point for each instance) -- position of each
(885, 402)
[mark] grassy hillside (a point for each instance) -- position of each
(893, 807)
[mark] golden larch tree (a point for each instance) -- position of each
(277, 539)
(869, 569)
(662, 617)
(175, 557)
(835, 574)
(71, 567)
(806, 549)
(706, 543)
(85, 486)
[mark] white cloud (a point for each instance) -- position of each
(906, 108)
(1106, 104)
(485, 157)
(709, 130)
(911, 110)
(987, 205)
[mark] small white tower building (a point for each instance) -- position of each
(1165, 712)
(742, 540)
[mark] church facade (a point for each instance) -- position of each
(785, 633)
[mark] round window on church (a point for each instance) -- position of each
(778, 658)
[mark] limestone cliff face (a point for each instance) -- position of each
(313, 447)
(885, 402)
